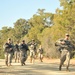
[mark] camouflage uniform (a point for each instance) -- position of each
(65, 48)
(33, 43)
(17, 52)
(23, 52)
(40, 51)
(8, 52)
(32, 53)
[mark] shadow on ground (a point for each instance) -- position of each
(36, 69)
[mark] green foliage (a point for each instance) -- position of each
(21, 28)
(44, 27)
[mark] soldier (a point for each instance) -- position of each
(33, 43)
(65, 49)
(23, 52)
(17, 52)
(32, 53)
(8, 51)
(40, 51)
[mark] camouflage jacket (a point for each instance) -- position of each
(8, 47)
(67, 45)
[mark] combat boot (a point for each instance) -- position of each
(67, 69)
(24, 64)
(21, 64)
(60, 68)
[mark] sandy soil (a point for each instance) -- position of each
(47, 67)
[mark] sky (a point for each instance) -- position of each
(12, 10)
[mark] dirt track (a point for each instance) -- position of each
(48, 67)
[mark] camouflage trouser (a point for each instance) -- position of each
(8, 58)
(17, 55)
(32, 53)
(32, 56)
(65, 55)
(40, 56)
(23, 57)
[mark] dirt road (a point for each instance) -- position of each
(47, 67)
